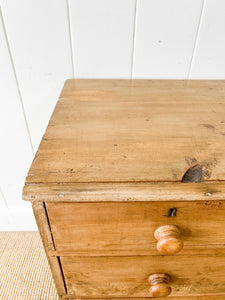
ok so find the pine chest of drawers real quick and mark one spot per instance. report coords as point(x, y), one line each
point(128, 190)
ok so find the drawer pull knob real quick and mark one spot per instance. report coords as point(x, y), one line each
point(159, 285)
point(168, 238)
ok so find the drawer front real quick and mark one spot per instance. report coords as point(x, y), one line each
point(128, 276)
point(128, 228)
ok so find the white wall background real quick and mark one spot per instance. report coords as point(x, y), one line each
point(45, 42)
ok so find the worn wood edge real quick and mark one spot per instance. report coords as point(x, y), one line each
point(98, 192)
point(109, 83)
point(206, 297)
point(47, 240)
point(209, 250)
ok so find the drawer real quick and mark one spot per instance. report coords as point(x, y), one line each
point(119, 228)
point(128, 276)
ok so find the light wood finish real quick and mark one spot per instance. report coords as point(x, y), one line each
point(132, 131)
point(126, 192)
point(127, 167)
point(168, 237)
point(128, 276)
point(216, 250)
point(160, 287)
point(119, 227)
point(43, 226)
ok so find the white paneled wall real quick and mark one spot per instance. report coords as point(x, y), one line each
point(2, 200)
point(15, 148)
point(209, 58)
point(38, 35)
point(165, 37)
point(44, 42)
point(102, 34)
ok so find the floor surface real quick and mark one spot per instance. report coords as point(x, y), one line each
point(24, 269)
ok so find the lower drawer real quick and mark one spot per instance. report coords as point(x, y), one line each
point(128, 276)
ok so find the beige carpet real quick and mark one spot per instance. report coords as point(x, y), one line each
point(24, 270)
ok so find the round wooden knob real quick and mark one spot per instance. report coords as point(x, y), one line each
point(159, 285)
point(169, 241)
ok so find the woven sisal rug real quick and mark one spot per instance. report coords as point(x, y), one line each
point(24, 270)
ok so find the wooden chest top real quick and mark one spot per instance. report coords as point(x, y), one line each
point(132, 131)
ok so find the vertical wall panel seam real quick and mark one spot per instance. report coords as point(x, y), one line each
point(134, 38)
point(196, 39)
point(16, 80)
point(3, 197)
point(70, 36)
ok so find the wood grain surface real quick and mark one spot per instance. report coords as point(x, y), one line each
point(108, 174)
point(128, 228)
point(47, 240)
point(128, 276)
point(132, 131)
point(127, 192)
